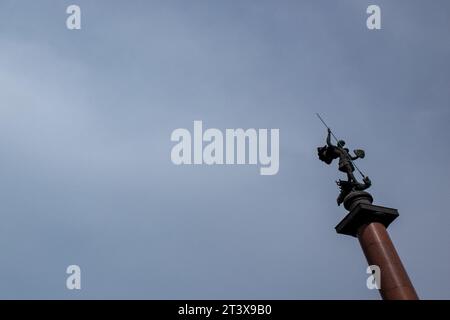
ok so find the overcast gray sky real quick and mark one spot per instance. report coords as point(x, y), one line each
point(85, 123)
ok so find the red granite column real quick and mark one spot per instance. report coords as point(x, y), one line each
point(368, 223)
point(379, 250)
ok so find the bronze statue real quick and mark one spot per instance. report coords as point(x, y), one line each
point(329, 152)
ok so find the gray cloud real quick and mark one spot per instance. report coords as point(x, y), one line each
point(85, 123)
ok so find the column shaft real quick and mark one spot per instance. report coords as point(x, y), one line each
point(379, 250)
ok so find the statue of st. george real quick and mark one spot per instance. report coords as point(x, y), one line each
point(329, 152)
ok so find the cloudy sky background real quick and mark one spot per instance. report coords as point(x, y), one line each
point(85, 124)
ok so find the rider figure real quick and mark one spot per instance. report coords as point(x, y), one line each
point(345, 159)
